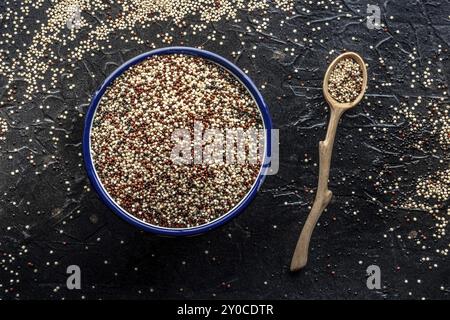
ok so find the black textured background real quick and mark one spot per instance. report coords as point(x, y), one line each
point(44, 227)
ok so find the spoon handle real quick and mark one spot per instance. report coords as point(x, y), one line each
point(323, 195)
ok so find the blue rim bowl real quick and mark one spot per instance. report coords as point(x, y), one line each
point(108, 200)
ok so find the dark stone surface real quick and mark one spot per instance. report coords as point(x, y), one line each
point(44, 227)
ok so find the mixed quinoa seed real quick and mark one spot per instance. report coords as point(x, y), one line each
point(131, 140)
point(345, 80)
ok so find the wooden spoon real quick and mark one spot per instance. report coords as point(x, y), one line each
point(323, 195)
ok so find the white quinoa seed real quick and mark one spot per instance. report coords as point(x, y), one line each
point(3, 129)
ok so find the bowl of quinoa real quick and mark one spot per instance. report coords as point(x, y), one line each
point(128, 141)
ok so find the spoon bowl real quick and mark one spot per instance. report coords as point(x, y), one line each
point(347, 105)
